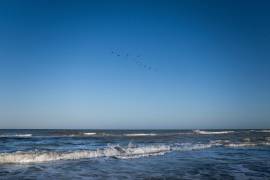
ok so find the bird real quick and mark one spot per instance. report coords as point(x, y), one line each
point(135, 59)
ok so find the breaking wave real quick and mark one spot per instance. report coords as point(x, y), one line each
point(116, 151)
point(15, 135)
point(211, 132)
point(264, 131)
point(129, 152)
point(242, 144)
point(247, 143)
point(89, 133)
point(111, 151)
point(140, 134)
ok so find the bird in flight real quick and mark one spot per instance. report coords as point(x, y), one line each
point(134, 58)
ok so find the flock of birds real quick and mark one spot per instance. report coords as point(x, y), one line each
point(136, 59)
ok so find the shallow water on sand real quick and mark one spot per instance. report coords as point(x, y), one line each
point(134, 154)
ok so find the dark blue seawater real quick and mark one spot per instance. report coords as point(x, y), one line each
point(134, 154)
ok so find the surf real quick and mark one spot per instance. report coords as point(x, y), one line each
point(211, 132)
point(16, 135)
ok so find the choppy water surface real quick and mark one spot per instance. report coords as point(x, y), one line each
point(135, 154)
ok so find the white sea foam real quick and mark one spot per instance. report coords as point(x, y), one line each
point(90, 133)
point(212, 132)
point(247, 143)
point(191, 147)
point(247, 139)
point(140, 134)
point(131, 151)
point(116, 151)
point(266, 143)
point(78, 134)
point(219, 142)
point(241, 144)
point(111, 151)
point(264, 131)
point(16, 135)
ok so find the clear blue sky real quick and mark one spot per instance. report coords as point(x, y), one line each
point(134, 64)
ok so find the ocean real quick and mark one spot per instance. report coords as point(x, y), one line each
point(135, 154)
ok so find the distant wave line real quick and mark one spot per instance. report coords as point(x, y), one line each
point(16, 135)
point(212, 132)
point(140, 134)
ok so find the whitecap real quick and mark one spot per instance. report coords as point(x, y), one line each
point(16, 135)
point(89, 133)
point(219, 142)
point(241, 144)
point(116, 151)
point(140, 134)
point(247, 139)
point(191, 147)
point(264, 131)
point(211, 132)
point(111, 151)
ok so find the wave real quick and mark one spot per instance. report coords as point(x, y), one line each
point(16, 135)
point(140, 134)
point(247, 139)
point(243, 144)
point(264, 131)
point(211, 132)
point(129, 152)
point(89, 133)
point(73, 134)
point(111, 151)
point(191, 147)
point(116, 151)
point(247, 143)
